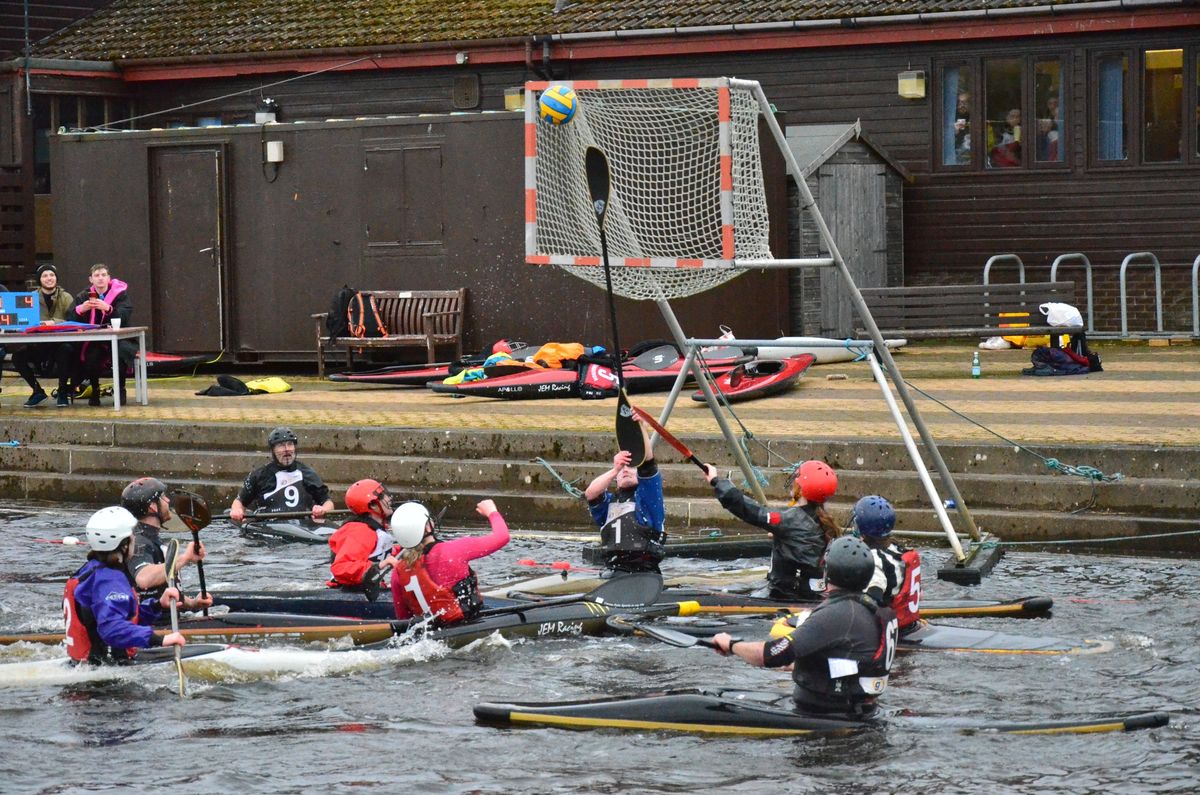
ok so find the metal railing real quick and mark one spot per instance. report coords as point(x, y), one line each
point(1087, 267)
point(1142, 258)
point(1005, 259)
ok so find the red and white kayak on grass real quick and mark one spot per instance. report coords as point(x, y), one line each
point(760, 378)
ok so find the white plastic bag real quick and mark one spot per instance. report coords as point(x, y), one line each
point(1061, 314)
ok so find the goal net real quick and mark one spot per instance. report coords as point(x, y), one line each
point(687, 203)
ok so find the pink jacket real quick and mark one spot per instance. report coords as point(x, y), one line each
point(449, 561)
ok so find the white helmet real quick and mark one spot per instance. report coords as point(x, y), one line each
point(108, 527)
point(408, 524)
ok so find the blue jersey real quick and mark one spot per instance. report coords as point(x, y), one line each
point(648, 508)
point(108, 599)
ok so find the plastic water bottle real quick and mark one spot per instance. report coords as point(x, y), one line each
point(975, 370)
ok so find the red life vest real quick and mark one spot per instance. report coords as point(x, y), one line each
point(81, 635)
point(907, 602)
point(424, 597)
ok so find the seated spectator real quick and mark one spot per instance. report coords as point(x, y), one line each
point(1007, 151)
point(46, 359)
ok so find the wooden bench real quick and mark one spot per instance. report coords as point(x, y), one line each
point(966, 310)
point(413, 318)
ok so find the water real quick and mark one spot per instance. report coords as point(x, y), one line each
point(405, 719)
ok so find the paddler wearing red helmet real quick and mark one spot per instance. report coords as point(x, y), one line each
point(364, 540)
point(799, 533)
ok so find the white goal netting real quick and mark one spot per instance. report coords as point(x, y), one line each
point(687, 201)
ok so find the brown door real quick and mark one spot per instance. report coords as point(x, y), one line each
point(187, 271)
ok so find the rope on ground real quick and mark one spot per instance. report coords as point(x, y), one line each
point(1083, 471)
point(1067, 541)
point(568, 486)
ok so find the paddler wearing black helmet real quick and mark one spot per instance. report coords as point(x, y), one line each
point(283, 484)
point(149, 501)
point(843, 651)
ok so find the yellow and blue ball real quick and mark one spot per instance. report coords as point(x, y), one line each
point(557, 104)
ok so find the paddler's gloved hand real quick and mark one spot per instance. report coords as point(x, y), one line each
point(197, 602)
point(169, 595)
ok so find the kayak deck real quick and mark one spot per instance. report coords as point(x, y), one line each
point(714, 711)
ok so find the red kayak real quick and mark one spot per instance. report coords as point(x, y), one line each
point(761, 378)
point(421, 374)
point(653, 371)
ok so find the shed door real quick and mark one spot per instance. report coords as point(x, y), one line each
point(187, 271)
point(851, 197)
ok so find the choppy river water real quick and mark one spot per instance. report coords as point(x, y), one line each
point(403, 721)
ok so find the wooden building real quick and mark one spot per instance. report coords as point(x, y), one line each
point(1036, 129)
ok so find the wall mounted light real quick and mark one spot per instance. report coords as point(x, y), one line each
point(461, 58)
point(911, 84)
point(274, 152)
point(514, 98)
point(266, 112)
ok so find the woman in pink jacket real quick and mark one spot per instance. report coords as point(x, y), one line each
point(432, 577)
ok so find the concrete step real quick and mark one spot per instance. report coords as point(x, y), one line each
point(517, 445)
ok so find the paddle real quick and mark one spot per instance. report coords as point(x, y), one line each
point(670, 439)
point(193, 510)
point(172, 554)
point(372, 581)
point(629, 435)
point(248, 517)
point(558, 565)
point(669, 636)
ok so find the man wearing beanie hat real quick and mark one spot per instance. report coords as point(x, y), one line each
point(29, 360)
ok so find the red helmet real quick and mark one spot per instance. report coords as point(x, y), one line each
point(815, 481)
point(360, 496)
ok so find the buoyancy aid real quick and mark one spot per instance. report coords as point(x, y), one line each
point(841, 679)
point(82, 637)
point(627, 544)
point(424, 597)
point(354, 534)
point(897, 582)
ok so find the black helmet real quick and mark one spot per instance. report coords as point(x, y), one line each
point(279, 436)
point(849, 564)
point(139, 495)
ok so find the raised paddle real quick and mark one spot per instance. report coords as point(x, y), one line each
point(670, 439)
point(599, 179)
point(193, 510)
point(172, 555)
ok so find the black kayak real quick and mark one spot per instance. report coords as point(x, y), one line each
point(713, 548)
point(734, 603)
point(925, 636)
point(717, 711)
point(306, 532)
point(338, 602)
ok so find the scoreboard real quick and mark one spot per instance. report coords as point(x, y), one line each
point(18, 311)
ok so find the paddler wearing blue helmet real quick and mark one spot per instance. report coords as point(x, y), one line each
point(896, 582)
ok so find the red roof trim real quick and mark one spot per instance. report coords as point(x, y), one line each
point(626, 46)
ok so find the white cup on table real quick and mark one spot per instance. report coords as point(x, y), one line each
point(115, 322)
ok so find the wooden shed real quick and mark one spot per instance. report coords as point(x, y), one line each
point(859, 189)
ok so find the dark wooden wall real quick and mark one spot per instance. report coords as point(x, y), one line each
point(295, 235)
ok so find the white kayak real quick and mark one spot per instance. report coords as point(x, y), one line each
point(823, 354)
point(209, 662)
point(573, 582)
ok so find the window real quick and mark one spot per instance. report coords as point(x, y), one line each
point(1144, 107)
point(52, 111)
point(1162, 106)
point(1003, 101)
point(957, 86)
point(984, 129)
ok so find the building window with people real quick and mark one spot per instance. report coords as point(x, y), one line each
point(1142, 102)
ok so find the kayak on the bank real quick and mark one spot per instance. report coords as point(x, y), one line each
point(925, 637)
point(718, 711)
point(653, 371)
point(162, 363)
point(824, 354)
point(420, 374)
point(760, 378)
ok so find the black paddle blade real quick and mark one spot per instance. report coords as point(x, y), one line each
point(171, 556)
point(599, 182)
point(372, 582)
point(629, 432)
point(628, 590)
point(192, 509)
point(626, 626)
